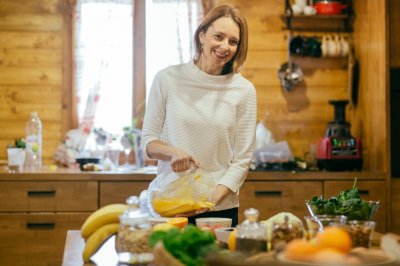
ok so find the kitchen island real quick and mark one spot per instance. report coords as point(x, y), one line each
point(37, 209)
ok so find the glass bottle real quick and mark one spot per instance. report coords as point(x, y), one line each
point(251, 236)
point(131, 242)
point(33, 149)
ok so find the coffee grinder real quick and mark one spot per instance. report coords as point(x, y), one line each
point(338, 150)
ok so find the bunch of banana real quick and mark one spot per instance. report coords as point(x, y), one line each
point(99, 226)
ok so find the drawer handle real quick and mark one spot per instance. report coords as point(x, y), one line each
point(272, 193)
point(363, 192)
point(41, 193)
point(40, 225)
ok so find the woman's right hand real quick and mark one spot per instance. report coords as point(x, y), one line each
point(181, 161)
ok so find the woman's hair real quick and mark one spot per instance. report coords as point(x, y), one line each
point(235, 64)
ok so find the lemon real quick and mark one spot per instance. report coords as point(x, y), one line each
point(232, 240)
point(163, 227)
point(35, 147)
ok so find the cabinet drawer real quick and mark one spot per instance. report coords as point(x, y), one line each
point(48, 196)
point(118, 192)
point(271, 198)
point(369, 190)
point(36, 239)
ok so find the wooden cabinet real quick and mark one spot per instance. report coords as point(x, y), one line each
point(369, 190)
point(273, 197)
point(36, 238)
point(35, 217)
point(118, 192)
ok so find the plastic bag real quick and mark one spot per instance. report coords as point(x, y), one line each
point(183, 193)
point(263, 136)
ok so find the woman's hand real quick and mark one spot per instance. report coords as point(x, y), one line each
point(181, 161)
point(220, 193)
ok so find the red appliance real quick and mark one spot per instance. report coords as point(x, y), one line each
point(338, 150)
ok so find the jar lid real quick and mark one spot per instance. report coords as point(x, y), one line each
point(133, 215)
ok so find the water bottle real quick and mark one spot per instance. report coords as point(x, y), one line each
point(33, 149)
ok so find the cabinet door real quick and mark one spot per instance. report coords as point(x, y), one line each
point(118, 192)
point(36, 239)
point(48, 196)
point(369, 190)
point(271, 198)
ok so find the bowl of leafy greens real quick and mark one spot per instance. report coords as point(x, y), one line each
point(347, 203)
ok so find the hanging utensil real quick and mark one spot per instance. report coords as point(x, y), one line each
point(290, 74)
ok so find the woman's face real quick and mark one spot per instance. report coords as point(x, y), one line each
point(220, 43)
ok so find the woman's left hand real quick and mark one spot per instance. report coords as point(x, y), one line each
point(220, 193)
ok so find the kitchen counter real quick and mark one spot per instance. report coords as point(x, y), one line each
point(148, 174)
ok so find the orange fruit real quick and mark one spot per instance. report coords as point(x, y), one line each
point(179, 222)
point(300, 249)
point(336, 238)
point(232, 240)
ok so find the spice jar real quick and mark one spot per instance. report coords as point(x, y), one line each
point(251, 237)
point(360, 232)
point(285, 232)
point(131, 242)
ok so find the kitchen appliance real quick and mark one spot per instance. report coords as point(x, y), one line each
point(338, 150)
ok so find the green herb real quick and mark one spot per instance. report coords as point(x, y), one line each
point(189, 246)
point(348, 203)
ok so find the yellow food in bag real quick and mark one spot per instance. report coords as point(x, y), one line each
point(172, 207)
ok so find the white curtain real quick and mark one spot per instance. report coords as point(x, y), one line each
point(170, 27)
point(103, 61)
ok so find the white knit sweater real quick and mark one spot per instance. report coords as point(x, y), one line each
point(212, 118)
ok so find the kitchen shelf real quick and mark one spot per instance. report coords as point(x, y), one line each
point(325, 23)
point(315, 23)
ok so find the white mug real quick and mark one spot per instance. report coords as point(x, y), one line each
point(345, 45)
point(309, 10)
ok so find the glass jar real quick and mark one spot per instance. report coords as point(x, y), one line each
point(284, 232)
point(251, 237)
point(131, 242)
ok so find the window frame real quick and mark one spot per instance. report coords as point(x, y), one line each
point(69, 113)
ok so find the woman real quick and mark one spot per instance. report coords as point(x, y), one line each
point(203, 112)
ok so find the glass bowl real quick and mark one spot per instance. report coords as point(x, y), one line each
point(366, 214)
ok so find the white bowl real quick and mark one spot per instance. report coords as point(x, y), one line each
point(222, 234)
point(213, 222)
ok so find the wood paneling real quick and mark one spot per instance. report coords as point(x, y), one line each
point(34, 38)
point(371, 51)
point(394, 34)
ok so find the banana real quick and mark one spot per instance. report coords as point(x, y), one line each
point(98, 238)
point(105, 215)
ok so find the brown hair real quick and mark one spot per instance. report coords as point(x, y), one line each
point(235, 64)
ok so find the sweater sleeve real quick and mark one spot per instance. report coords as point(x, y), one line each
point(154, 117)
point(245, 133)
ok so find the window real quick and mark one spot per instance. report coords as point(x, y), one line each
point(105, 54)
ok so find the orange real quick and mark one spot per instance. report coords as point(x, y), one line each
point(300, 250)
point(336, 238)
point(178, 221)
point(232, 240)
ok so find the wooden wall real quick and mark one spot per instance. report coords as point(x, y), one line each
point(33, 65)
point(35, 70)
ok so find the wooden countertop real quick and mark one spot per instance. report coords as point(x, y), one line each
point(148, 174)
point(75, 244)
